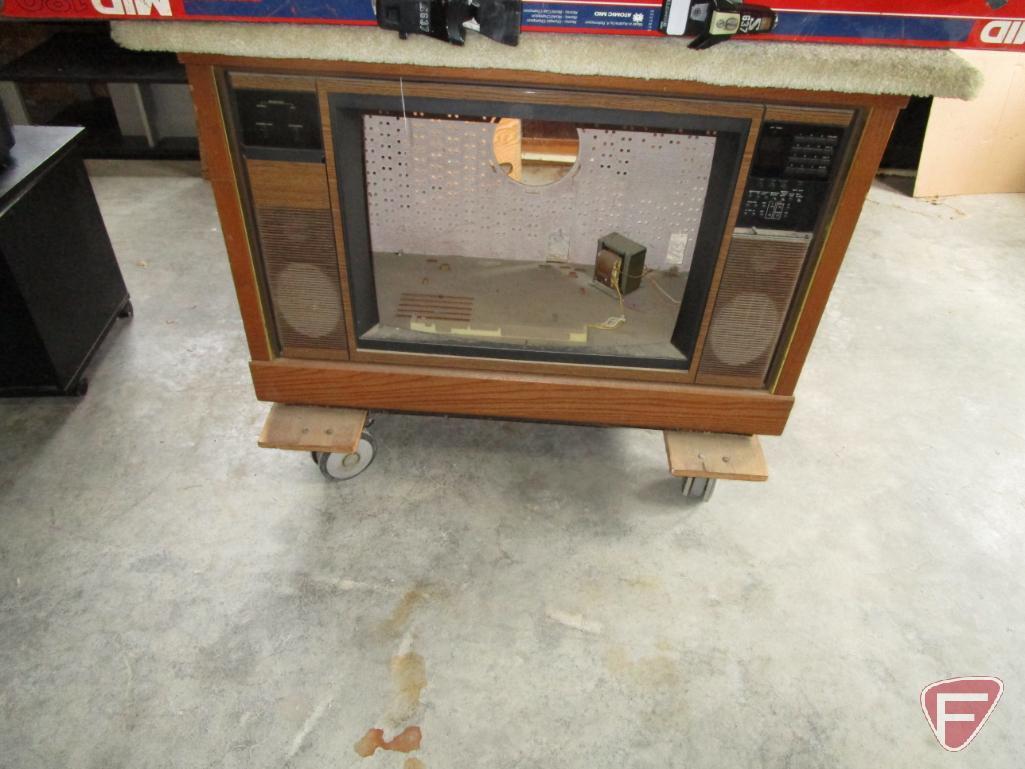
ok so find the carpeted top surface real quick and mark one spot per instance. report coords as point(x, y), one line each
point(849, 69)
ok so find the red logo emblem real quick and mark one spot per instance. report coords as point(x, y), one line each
point(957, 708)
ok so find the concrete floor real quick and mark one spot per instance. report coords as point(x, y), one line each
point(173, 596)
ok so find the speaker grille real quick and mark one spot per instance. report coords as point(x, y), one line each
point(299, 256)
point(755, 292)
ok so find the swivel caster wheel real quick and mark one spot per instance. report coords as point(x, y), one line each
point(342, 467)
point(127, 311)
point(699, 488)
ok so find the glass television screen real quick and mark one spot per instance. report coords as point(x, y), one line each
point(533, 238)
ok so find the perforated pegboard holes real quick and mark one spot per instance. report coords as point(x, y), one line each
point(434, 188)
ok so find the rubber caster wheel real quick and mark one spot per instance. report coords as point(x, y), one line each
point(342, 467)
point(127, 311)
point(82, 387)
point(699, 488)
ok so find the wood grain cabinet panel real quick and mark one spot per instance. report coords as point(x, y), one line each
point(285, 226)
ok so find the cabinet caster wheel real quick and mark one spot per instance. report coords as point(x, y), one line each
point(342, 467)
point(82, 387)
point(699, 488)
point(127, 311)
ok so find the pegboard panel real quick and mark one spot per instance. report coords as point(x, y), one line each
point(435, 188)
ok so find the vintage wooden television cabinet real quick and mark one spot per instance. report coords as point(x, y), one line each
point(426, 239)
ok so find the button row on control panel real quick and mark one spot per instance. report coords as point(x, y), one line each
point(817, 149)
point(762, 183)
point(754, 197)
point(819, 171)
point(800, 161)
point(769, 210)
point(825, 139)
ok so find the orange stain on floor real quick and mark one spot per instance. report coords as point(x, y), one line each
point(405, 742)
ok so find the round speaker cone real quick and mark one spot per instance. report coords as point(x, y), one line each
point(307, 300)
point(744, 328)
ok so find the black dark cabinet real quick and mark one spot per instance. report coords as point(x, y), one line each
point(61, 289)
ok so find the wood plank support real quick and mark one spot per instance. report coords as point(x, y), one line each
point(715, 455)
point(313, 428)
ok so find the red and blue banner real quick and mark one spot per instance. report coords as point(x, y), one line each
point(981, 24)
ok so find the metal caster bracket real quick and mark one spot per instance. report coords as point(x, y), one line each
point(699, 488)
point(341, 467)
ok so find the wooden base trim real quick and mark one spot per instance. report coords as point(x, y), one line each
point(311, 353)
point(512, 396)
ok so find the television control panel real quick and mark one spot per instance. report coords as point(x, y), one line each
point(790, 176)
point(282, 125)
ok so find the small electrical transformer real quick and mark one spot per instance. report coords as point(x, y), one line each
point(619, 261)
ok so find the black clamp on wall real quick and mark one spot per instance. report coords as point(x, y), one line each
point(722, 19)
point(448, 19)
